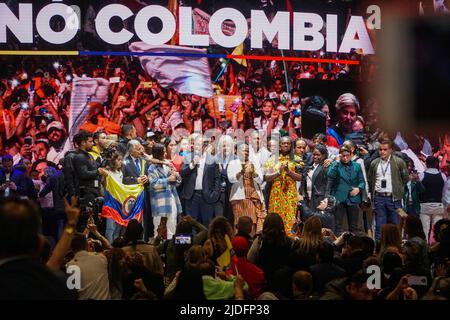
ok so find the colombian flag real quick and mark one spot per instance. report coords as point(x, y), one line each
point(123, 202)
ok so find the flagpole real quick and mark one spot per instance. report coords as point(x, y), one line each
point(285, 72)
point(222, 71)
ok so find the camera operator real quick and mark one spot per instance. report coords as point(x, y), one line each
point(86, 172)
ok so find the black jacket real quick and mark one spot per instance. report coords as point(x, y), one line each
point(28, 279)
point(70, 178)
point(86, 171)
point(318, 183)
point(211, 183)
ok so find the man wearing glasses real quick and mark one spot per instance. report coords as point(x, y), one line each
point(388, 176)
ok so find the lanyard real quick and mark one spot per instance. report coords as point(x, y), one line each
point(385, 169)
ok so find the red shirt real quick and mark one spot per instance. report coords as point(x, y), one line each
point(253, 275)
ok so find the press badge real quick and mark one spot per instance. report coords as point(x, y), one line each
point(96, 184)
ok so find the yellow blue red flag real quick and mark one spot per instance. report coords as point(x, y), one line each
point(123, 202)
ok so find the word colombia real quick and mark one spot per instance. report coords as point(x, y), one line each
point(306, 28)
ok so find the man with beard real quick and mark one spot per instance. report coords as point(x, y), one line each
point(57, 141)
point(347, 107)
point(86, 170)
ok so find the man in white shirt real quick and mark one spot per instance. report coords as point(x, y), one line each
point(202, 185)
point(93, 270)
point(388, 177)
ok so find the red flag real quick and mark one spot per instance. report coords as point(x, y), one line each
point(233, 84)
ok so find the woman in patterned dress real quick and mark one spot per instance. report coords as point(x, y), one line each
point(246, 197)
point(283, 170)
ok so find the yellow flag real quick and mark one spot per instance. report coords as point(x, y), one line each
point(238, 51)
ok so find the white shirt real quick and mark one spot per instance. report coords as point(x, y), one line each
point(384, 165)
point(7, 179)
point(94, 275)
point(117, 175)
point(201, 168)
point(309, 180)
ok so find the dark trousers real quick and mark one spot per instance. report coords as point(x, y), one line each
point(385, 213)
point(350, 214)
point(201, 211)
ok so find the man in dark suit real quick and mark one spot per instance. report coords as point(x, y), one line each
point(134, 170)
point(14, 182)
point(202, 187)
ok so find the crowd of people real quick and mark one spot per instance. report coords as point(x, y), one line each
point(287, 197)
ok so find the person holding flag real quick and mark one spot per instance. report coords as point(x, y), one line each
point(122, 202)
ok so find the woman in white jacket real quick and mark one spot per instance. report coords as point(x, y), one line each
point(246, 197)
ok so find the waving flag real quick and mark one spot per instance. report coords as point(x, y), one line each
point(84, 91)
point(178, 67)
point(123, 202)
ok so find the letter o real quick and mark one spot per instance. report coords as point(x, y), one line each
point(168, 25)
point(102, 24)
point(71, 20)
point(215, 27)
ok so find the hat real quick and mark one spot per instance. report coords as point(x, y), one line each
point(56, 125)
point(347, 99)
point(240, 246)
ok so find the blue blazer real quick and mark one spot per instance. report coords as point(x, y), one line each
point(340, 184)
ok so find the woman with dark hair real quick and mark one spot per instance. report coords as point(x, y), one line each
point(346, 183)
point(315, 179)
point(282, 170)
point(269, 119)
point(271, 250)
point(218, 245)
point(165, 202)
point(133, 238)
point(113, 169)
point(414, 232)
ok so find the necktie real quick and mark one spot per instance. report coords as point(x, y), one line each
point(138, 166)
